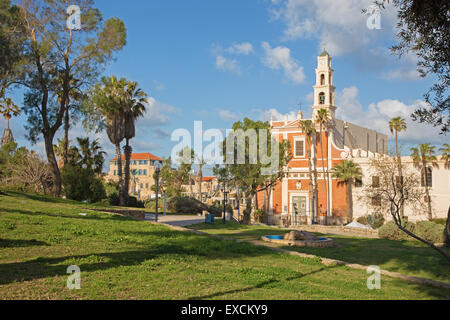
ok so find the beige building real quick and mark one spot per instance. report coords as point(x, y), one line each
point(142, 169)
point(438, 179)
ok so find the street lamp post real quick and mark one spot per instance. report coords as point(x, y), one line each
point(225, 194)
point(157, 171)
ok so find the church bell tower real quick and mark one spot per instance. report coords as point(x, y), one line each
point(324, 90)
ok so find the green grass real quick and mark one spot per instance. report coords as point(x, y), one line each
point(122, 258)
point(406, 257)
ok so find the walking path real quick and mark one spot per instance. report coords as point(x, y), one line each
point(176, 220)
point(324, 261)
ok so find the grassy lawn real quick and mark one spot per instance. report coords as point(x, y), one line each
point(122, 258)
point(407, 257)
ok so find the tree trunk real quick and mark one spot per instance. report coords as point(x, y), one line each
point(200, 177)
point(66, 135)
point(126, 185)
point(424, 241)
point(120, 174)
point(325, 180)
point(447, 230)
point(53, 164)
point(349, 202)
point(248, 210)
point(427, 191)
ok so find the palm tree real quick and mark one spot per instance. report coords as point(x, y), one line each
point(8, 109)
point(397, 125)
point(308, 128)
point(133, 100)
point(323, 118)
point(446, 155)
point(91, 154)
point(201, 164)
point(347, 173)
point(422, 157)
point(106, 98)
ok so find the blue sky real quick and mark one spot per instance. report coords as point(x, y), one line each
point(220, 61)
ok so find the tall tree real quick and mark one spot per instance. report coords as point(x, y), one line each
point(132, 101)
point(423, 156)
point(104, 109)
point(323, 118)
point(348, 172)
point(309, 129)
point(91, 155)
point(250, 174)
point(12, 41)
point(445, 155)
point(446, 158)
point(397, 125)
point(391, 197)
point(424, 29)
point(59, 53)
point(8, 110)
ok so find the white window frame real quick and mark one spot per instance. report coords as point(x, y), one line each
point(296, 139)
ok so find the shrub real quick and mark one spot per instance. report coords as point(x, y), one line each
point(430, 231)
point(76, 182)
point(97, 191)
point(114, 199)
point(80, 184)
point(260, 216)
point(133, 202)
point(392, 232)
point(363, 220)
point(187, 205)
point(376, 220)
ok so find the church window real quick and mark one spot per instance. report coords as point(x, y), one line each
point(322, 80)
point(322, 98)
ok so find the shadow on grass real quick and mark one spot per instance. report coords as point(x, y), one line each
point(6, 243)
point(259, 285)
point(65, 216)
point(407, 257)
point(170, 245)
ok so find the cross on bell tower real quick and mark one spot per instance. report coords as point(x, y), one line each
point(324, 90)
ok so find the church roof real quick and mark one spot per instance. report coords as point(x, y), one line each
point(324, 53)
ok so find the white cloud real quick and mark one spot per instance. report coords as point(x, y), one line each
point(378, 115)
point(227, 115)
point(157, 114)
point(225, 64)
point(401, 74)
point(340, 24)
point(279, 58)
point(244, 48)
point(268, 114)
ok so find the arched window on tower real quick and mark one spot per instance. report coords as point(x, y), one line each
point(322, 98)
point(322, 80)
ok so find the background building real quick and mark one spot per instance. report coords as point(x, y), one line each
point(142, 169)
point(339, 141)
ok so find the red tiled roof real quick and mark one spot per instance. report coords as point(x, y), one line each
point(141, 156)
point(207, 179)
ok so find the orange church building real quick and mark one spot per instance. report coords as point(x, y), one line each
point(291, 198)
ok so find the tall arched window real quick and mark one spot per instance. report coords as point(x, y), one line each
point(322, 98)
point(427, 177)
point(322, 80)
